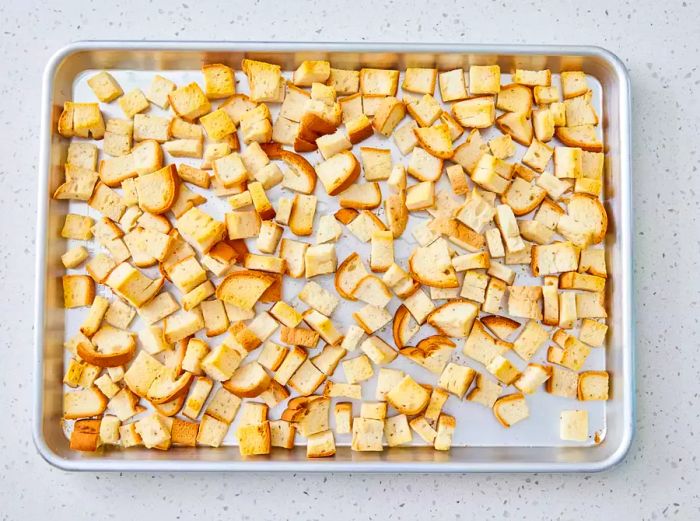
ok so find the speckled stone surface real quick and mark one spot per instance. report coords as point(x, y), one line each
point(659, 43)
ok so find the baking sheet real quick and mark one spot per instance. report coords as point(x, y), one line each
point(476, 426)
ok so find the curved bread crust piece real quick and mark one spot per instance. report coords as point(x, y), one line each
point(243, 288)
point(583, 137)
point(87, 352)
point(248, 381)
point(431, 265)
point(168, 386)
point(511, 409)
point(589, 210)
point(365, 196)
point(501, 326)
point(302, 176)
point(348, 275)
point(396, 214)
point(433, 353)
point(436, 140)
point(403, 327)
point(338, 172)
point(157, 191)
point(522, 196)
point(517, 125)
point(455, 318)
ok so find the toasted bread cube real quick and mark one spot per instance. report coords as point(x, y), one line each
point(405, 137)
point(408, 396)
point(153, 431)
point(282, 434)
point(456, 379)
point(78, 291)
point(189, 102)
point(343, 417)
point(573, 425)
point(74, 257)
point(230, 170)
point(77, 227)
point(425, 110)
point(502, 147)
point(223, 406)
point(379, 82)
point(301, 218)
point(453, 85)
point(419, 80)
point(318, 298)
point(485, 392)
point(109, 430)
point(358, 369)
point(199, 392)
point(396, 430)
point(269, 237)
point(532, 337)
point(211, 432)
point(372, 318)
point(524, 302)
point(306, 379)
point(378, 351)
point(264, 80)
point(344, 81)
point(221, 362)
point(147, 126)
point(352, 338)
point(158, 91)
point(567, 162)
point(105, 87)
point(591, 305)
point(184, 433)
point(338, 390)
point(486, 176)
point(421, 426)
point(73, 373)
point(484, 79)
point(573, 83)
point(242, 224)
point(511, 409)
point(458, 179)
point(475, 113)
point(320, 445)
point(376, 163)
point(532, 78)
point(367, 434)
point(531, 378)
point(593, 385)
point(292, 361)
point(397, 178)
point(310, 72)
point(503, 369)
point(562, 382)
point(254, 158)
point(124, 404)
point(128, 437)
point(219, 81)
point(474, 286)
point(593, 332)
point(87, 120)
point(445, 428)
point(420, 196)
point(320, 259)
point(82, 155)
point(218, 124)
point(419, 305)
point(133, 102)
point(85, 435)
point(140, 375)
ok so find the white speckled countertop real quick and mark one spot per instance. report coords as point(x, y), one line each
point(659, 43)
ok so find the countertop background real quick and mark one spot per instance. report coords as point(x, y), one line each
point(657, 41)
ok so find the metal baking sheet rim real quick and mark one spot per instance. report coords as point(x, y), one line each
point(379, 465)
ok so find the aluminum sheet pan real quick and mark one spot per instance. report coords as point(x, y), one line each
point(480, 443)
